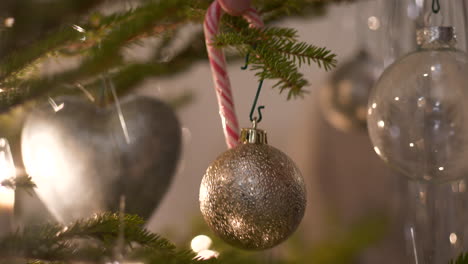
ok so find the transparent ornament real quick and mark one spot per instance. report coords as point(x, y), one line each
point(417, 116)
point(435, 221)
point(432, 199)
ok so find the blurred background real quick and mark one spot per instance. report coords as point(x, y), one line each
point(358, 210)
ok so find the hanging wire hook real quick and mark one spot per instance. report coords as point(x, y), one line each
point(256, 120)
point(259, 109)
point(247, 57)
point(435, 6)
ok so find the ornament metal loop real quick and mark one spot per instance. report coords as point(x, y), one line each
point(254, 123)
point(429, 37)
point(253, 135)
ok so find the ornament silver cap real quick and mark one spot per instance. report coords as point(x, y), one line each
point(436, 37)
point(253, 136)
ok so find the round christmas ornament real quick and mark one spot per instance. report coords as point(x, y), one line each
point(344, 99)
point(253, 196)
point(83, 158)
point(417, 112)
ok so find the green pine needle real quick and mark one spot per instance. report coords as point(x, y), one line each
point(276, 54)
point(20, 62)
point(462, 259)
point(91, 240)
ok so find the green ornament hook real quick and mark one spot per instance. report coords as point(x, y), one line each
point(259, 109)
point(260, 84)
point(247, 57)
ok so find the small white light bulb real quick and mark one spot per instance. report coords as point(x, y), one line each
point(200, 243)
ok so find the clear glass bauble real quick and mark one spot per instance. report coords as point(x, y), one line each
point(418, 111)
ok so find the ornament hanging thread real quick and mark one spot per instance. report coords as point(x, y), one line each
point(253, 196)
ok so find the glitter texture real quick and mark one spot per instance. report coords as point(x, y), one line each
point(253, 196)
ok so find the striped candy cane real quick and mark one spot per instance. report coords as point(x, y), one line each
point(218, 62)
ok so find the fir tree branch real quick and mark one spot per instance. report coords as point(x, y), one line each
point(34, 18)
point(130, 75)
point(279, 40)
point(102, 57)
point(125, 77)
point(275, 54)
point(102, 40)
point(107, 35)
point(274, 66)
point(301, 52)
point(68, 41)
point(20, 63)
point(91, 240)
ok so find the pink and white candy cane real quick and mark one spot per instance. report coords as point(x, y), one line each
point(218, 62)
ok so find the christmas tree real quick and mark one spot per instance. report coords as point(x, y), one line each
point(93, 37)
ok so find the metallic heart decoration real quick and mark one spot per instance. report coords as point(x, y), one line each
point(81, 160)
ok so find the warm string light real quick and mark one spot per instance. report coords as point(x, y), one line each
point(201, 245)
point(9, 22)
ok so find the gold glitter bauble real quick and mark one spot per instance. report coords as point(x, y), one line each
point(253, 196)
